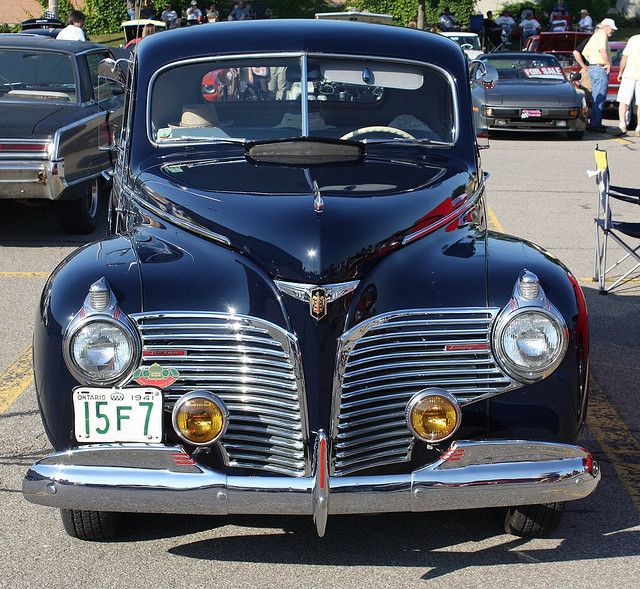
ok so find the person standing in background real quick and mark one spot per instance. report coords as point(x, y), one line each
point(597, 53)
point(629, 78)
point(73, 31)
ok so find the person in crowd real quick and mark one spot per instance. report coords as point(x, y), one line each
point(560, 7)
point(629, 78)
point(529, 26)
point(212, 14)
point(170, 17)
point(131, 9)
point(194, 14)
point(597, 54)
point(240, 12)
point(447, 22)
point(586, 22)
point(557, 22)
point(148, 11)
point(507, 22)
point(492, 30)
point(73, 31)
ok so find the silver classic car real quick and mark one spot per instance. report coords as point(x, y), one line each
point(52, 110)
point(532, 94)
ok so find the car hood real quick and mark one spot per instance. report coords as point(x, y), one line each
point(322, 224)
point(540, 93)
point(31, 121)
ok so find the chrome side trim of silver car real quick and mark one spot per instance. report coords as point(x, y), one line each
point(164, 479)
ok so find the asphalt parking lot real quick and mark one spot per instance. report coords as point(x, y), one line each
point(539, 190)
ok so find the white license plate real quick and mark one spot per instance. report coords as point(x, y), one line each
point(118, 415)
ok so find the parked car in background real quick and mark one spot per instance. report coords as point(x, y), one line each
point(42, 26)
point(532, 94)
point(469, 42)
point(560, 44)
point(51, 114)
point(300, 309)
point(133, 30)
point(616, 48)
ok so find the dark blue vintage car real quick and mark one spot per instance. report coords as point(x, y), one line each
point(51, 111)
point(301, 309)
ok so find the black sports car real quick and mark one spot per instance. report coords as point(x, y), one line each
point(532, 94)
point(301, 310)
point(52, 110)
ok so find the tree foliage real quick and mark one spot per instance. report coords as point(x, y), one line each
point(404, 11)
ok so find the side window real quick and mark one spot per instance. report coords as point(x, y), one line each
point(100, 91)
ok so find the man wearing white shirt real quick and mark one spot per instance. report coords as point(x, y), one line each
point(73, 31)
point(586, 22)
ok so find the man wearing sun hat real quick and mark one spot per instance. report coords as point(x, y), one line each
point(586, 22)
point(597, 54)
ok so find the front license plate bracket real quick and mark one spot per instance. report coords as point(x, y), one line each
point(118, 414)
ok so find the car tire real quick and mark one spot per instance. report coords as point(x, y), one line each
point(532, 521)
point(90, 525)
point(575, 135)
point(81, 215)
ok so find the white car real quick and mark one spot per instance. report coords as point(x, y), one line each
point(469, 43)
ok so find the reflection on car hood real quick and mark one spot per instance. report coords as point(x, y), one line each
point(316, 224)
point(538, 92)
point(27, 121)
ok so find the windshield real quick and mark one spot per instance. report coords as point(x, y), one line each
point(261, 99)
point(472, 41)
point(534, 67)
point(28, 75)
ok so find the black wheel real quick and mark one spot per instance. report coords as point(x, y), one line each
point(90, 525)
point(532, 521)
point(81, 215)
point(575, 135)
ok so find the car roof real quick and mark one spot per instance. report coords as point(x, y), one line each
point(44, 42)
point(293, 35)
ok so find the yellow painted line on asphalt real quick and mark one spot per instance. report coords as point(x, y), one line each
point(24, 274)
point(616, 440)
point(618, 443)
point(15, 379)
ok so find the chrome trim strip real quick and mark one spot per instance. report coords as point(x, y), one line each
point(164, 479)
point(470, 202)
point(177, 221)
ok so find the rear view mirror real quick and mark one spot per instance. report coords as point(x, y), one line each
point(114, 72)
point(483, 74)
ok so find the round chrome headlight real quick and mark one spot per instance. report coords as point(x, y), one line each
point(101, 351)
point(530, 342)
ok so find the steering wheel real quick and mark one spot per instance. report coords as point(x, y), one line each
point(7, 80)
point(377, 129)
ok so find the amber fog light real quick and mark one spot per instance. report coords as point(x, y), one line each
point(200, 418)
point(433, 415)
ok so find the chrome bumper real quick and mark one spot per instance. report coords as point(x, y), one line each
point(164, 479)
point(31, 179)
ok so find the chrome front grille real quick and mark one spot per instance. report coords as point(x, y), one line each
point(253, 366)
point(383, 362)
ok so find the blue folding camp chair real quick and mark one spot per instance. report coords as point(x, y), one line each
point(619, 231)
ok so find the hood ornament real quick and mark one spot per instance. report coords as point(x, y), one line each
point(318, 201)
point(317, 296)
